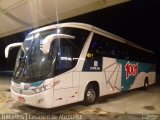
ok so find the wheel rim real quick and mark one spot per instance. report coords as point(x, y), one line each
point(91, 95)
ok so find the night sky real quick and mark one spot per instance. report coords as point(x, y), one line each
point(138, 21)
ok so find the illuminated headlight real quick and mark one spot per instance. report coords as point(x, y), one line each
point(42, 88)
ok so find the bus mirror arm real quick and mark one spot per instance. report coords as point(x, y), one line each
point(10, 46)
point(48, 40)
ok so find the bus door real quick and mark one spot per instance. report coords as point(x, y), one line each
point(64, 89)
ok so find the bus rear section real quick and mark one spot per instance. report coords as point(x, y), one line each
point(118, 66)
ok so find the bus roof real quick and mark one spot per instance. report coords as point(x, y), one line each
point(90, 28)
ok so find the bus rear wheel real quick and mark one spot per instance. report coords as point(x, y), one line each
point(90, 95)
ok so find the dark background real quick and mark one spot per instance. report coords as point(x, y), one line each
point(137, 21)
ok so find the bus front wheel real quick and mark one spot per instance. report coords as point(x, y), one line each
point(90, 95)
point(146, 83)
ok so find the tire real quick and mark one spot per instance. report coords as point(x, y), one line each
point(90, 95)
point(146, 84)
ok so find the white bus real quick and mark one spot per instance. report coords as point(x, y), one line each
point(70, 62)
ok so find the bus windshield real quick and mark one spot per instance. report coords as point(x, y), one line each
point(33, 65)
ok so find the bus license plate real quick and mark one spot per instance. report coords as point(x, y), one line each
point(21, 99)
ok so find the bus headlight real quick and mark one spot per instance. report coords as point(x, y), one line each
point(42, 88)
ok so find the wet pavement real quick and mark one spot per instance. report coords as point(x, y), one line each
point(133, 105)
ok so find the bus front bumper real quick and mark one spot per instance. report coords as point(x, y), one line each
point(42, 100)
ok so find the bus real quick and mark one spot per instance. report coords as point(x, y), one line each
point(70, 62)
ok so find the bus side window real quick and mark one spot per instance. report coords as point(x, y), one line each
point(104, 47)
point(114, 49)
point(98, 47)
point(64, 58)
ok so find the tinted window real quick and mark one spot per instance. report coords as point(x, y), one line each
point(105, 47)
point(68, 50)
point(98, 47)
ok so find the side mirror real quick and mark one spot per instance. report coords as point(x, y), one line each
point(48, 40)
point(11, 46)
